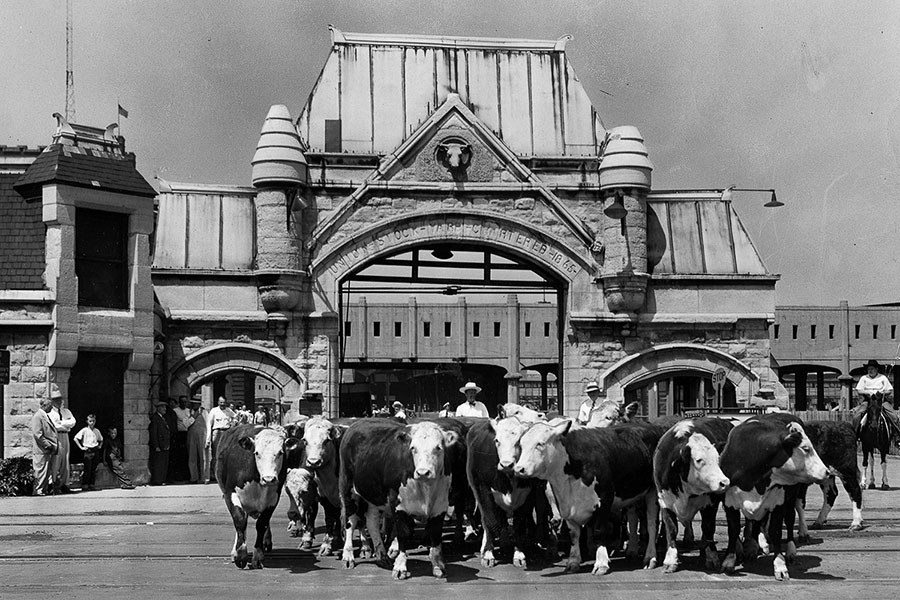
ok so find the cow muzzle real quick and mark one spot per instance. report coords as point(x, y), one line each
point(423, 474)
point(268, 480)
point(314, 463)
point(506, 467)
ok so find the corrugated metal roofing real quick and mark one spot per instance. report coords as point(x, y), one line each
point(84, 167)
point(382, 87)
point(698, 235)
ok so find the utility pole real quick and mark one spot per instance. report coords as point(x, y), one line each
point(70, 77)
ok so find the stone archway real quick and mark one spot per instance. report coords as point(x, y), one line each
point(670, 358)
point(220, 358)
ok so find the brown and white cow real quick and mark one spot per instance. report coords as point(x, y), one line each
point(388, 467)
point(251, 467)
point(593, 472)
point(689, 480)
point(766, 459)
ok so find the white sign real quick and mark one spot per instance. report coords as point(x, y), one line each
point(718, 378)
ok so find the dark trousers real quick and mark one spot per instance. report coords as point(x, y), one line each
point(91, 461)
point(118, 468)
point(213, 446)
point(178, 470)
point(159, 466)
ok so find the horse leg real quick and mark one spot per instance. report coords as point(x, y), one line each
point(884, 481)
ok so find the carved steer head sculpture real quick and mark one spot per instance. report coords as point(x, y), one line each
point(454, 154)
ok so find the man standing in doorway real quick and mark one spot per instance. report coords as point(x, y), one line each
point(64, 421)
point(179, 447)
point(587, 407)
point(44, 446)
point(471, 407)
point(220, 419)
point(160, 440)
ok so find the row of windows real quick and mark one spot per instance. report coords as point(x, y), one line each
point(448, 329)
point(857, 331)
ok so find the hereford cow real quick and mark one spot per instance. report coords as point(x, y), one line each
point(321, 443)
point(688, 479)
point(401, 469)
point(593, 472)
point(251, 466)
point(493, 451)
point(766, 459)
point(835, 442)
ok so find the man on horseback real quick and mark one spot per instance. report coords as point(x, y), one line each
point(873, 382)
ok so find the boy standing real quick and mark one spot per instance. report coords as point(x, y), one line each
point(89, 440)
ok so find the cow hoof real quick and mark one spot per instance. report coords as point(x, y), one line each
point(856, 527)
point(488, 563)
point(572, 566)
point(871, 486)
point(885, 487)
point(438, 572)
point(400, 575)
point(729, 564)
point(817, 525)
point(790, 555)
point(670, 568)
point(803, 538)
point(650, 564)
point(712, 562)
point(599, 570)
point(780, 567)
point(325, 550)
point(519, 559)
point(306, 544)
point(348, 559)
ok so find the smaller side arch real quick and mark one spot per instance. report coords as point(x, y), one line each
point(666, 358)
point(236, 356)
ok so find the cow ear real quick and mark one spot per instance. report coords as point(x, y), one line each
point(792, 440)
point(542, 416)
point(294, 431)
point(403, 435)
point(563, 427)
point(685, 456)
point(336, 432)
point(450, 438)
point(246, 442)
point(630, 410)
point(501, 411)
point(292, 444)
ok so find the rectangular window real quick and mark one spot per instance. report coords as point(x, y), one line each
point(496, 328)
point(376, 328)
point(777, 327)
point(856, 329)
point(448, 328)
point(101, 258)
point(794, 332)
point(398, 329)
point(546, 329)
point(347, 328)
point(333, 136)
point(426, 329)
point(893, 332)
point(812, 332)
point(874, 332)
point(476, 329)
point(527, 329)
point(831, 332)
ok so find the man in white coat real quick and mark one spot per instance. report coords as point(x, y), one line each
point(64, 421)
point(471, 407)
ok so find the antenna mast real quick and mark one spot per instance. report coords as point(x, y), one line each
point(70, 77)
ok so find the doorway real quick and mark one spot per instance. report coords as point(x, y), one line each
point(97, 386)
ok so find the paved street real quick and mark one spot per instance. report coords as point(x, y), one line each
point(174, 541)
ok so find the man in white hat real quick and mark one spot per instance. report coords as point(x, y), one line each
point(64, 421)
point(399, 411)
point(471, 407)
point(592, 390)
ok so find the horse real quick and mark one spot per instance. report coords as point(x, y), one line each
point(874, 434)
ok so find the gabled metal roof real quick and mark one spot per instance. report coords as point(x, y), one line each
point(690, 233)
point(381, 87)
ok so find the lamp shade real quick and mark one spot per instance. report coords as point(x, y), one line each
point(615, 209)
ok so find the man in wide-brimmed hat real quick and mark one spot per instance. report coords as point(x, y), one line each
point(592, 390)
point(471, 407)
point(399, 411)
point(873, 382)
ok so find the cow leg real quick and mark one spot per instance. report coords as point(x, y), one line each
point(708, 536)
point(573, 562)
point(752, 540)
point(606, 531)
point(851, 484)
point(332, 527)
point(309, 500)
point(687, 541)
point(403, 529)
point(373, 526)
point(789, 514)
point(522, 520)
point(776, 520)
point(239, 552)
point(652, 504)
point(263, 538)
point(352, 522)
point(632, 547)
point(434, 532)
point(829, 495)
point(733, 518)
point(670, 523)
point(884, 481)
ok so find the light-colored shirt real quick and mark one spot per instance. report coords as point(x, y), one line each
point(184, 418)
point(219, 419)
point(89, 438)
point(476, 409)
point(872, 385)
point(63, 419)
point(587, 407)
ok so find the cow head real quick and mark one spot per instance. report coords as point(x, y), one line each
point(541, 449)
point(454, 154)
point(427, 443)
point(803, 464)
point(507, 434)
point(699, 461)
point(268, 447)
point(524, 414)
point(610, 412)
point(320, 438)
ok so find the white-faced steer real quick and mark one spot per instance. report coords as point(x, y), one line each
point(594, 472)
point(493, 451)
point(388, 467)
point(766, 459)
point(251, 466)
point(688, 479)
point(321, 458)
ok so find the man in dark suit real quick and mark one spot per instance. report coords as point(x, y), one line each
point(160, 440)
point(45, 443)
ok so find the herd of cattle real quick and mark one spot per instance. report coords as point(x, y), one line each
point(380, 477)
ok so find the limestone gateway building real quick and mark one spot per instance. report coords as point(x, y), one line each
point(439, 210)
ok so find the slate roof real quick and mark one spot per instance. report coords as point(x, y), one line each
point(84, 167)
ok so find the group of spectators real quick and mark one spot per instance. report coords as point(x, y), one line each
point(472, 407)
point(50, 428)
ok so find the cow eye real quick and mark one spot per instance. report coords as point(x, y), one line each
point(497, 443)
point(540, 445)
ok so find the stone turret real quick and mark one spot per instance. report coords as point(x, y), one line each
point(280, 173)
point(624, 182)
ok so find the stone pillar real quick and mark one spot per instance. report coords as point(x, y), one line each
point(412, 322)
point(462, 317)
point(513, 348)
point(845, 378)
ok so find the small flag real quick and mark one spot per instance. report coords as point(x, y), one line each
point(123, 112)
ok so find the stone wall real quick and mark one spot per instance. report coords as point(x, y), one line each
point(28, 383)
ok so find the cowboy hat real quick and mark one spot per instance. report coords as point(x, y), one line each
point(593, 386)
point(873, 363)
point(397, 404)
point(469, 386)
point(56, 395)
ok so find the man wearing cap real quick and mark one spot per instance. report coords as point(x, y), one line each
point(64, 421)
point(221, 418)
point(873, 382)
point(587, 407)
point(160, 440)
point(471, 407)
point(44, 446)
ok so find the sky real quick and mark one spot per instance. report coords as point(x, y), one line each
point(800, 96)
